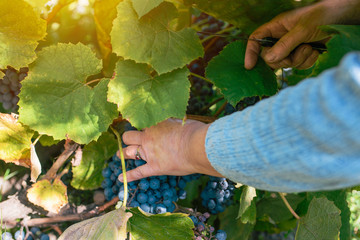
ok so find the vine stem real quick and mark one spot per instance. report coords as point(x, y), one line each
point(288, 206)
point(218, 32)
point(201, 77)
point(211, 104)
point(122, 165)
point(220, 110)
point(92, 81)
point(37, 139)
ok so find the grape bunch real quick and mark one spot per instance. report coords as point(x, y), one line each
point(204, 231)
point(155, 194)
point(201, 91)
point(246, 102)
point(10, 87)
point(34, 234)
point(217, 194)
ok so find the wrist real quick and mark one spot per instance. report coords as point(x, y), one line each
point(197, 152)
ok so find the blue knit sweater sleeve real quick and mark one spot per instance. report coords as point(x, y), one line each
point(306, 138)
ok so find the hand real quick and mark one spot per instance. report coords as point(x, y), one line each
point(293, 28)
point(169, 148)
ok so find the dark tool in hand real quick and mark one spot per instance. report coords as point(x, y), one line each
point(269, 41)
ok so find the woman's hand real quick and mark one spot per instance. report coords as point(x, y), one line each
point(294, 29)
point(169, 148)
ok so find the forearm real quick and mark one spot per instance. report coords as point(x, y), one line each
point(306, 138)
point(342, 11)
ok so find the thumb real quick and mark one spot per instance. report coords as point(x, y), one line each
point(286, 45)
point(140, 172)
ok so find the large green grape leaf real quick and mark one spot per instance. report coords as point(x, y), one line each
point(339, 199)
point(142, 7)
point(322, 221)
point(111, 226)
point(145, 98)
point(88, 174)
point(151, 40)
point(228, 73)
point(104, 15)
point(275, 208)
point(247, 209)
point(174, 226)
point(55, 99)
point(100, 107)
point(246, 14)
point(20, 30)
point(346, 38)
point(234, 228)
point(15, 140)
point(51, 196)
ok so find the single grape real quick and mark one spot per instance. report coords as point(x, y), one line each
point(44, 237)
point(19, 235)
point(220, 235)
point(142, 198)
point(160, 208)
point(154, 183)
point(6, 236)
point(144, 184)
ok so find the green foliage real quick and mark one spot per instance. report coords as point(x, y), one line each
point(344, 40)
point(55, 99)
point(111, 226)
point(247, 210)
point(322, 221)
point(234, 228)
point(148, 226)
point(154, 42)
point(19, 36)
point(246, 14)
point(339, 198)
point(87, 175)
point(228, 73)
point(142, 7)
point(145, 98)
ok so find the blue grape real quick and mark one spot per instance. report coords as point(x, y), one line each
point(145, 207)
point(182, 184)
point(6, 236)
point(160, 208)
point(134, 203)
point(19, 235)
point(106, 172)
point(154, 183)
point(167, 194)
point(144, 184)
point(106, 183)
point(44, 237)
point(182, 194)
point(142, 198)
point(139, 163)
point(211, 204)
point(220, 235)
point(36, 231)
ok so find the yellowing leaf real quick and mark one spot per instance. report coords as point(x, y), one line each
point(111, 226)
point(104, 15)
point(55, 99)
point(15, 140)
point(35, 164)
point(142, 7)
point(51, 197)
point(151, 40)
point(20, 30)
point(38, 4)
point(146, 99)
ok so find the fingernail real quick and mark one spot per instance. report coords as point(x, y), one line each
point(270, 57)
point(121, 179)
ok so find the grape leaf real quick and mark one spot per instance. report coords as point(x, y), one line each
point(246, 201)
point(88, 174)
point(346, 38)
point(228, 73)
point(275, 208)
point(55, 100)
point(104, 15)
point(142, 7)
point(47, 141)
point(19, 36)
point(174, 226)
point(246, 14)
point(322, 221)
point(111, 226)
point(37, 4)
point(145, 98)
point(249, 216)
point(150, 40)
point(15, 140)
point(100, 107)
point(339, 199)
point(235, 229)
point(50, 196)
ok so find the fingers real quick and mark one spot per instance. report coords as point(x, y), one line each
point(130, 152)
point(253, 48)
point(302, 57)
point(138, 173)
point(286, 45)
point(132, 137)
